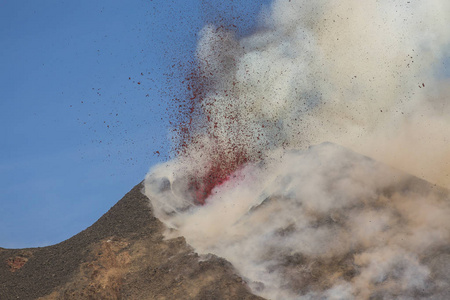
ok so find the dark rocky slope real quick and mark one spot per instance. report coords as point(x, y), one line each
point(122, 256)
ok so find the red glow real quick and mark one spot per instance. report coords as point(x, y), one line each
point(218, 173)
point(229, 142)
point(194, 119)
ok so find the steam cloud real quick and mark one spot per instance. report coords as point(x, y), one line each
point(322, 222)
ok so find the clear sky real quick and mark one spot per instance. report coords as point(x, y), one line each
point(84, 91)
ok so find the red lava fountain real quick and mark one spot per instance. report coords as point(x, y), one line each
point(195, 121)
point(217, 174)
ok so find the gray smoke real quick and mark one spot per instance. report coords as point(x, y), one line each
point(325, 222)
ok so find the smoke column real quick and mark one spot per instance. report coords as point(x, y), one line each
point(318, 222)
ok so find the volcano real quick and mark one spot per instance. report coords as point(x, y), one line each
point(130, 254)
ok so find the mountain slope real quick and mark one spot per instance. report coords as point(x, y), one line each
point(122, 256)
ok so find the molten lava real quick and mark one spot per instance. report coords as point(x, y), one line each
point(194, 123)
point(218, 173)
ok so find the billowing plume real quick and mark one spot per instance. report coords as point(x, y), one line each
point(323, 222)
point(364, 74)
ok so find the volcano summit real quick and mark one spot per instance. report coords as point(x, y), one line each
point(323, 223)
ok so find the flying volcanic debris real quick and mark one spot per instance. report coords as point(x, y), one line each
point(321, 222)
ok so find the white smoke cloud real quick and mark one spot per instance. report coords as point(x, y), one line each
point(324, 222)
point(319, 223)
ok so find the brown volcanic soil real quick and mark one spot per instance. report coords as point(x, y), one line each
point(122, 256)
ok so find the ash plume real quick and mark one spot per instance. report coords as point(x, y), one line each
point(324, 223)
point(319, 222)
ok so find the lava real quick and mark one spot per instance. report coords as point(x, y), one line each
point(194, 121)
point(218, 173)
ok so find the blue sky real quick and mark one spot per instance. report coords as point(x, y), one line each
point(84, 91)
